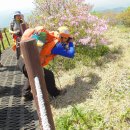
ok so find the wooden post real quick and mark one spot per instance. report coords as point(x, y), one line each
point(37, 82)
point(2, 44)
point(0, 52)
point(6, 37)
point(1, 39)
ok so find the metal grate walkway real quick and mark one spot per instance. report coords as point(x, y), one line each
point(15, 113)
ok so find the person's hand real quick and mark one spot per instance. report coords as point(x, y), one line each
point(17, 31)
point(70, 39)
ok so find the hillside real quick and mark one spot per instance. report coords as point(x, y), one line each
point(103, 88)
point(117, 10)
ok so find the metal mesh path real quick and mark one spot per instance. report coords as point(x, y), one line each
point(15, 113)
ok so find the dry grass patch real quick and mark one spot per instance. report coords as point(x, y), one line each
point(105, 89)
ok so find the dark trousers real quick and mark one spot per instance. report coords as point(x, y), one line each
point(49, 79)
point(18, 46)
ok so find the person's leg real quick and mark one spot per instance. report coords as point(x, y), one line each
point(50, 83)
point(26, 91)
point(49, 79)
point(18, 47)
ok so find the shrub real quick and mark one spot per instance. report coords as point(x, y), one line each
point(84, 54)
point(112, 17)
point(94, 52)
point(124, 17)
point(86, 28)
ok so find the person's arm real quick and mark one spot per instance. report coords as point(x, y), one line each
point(11, 28)
point(14, 32)
point(59, 49)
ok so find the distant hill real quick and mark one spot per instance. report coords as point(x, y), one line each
point(116, 10)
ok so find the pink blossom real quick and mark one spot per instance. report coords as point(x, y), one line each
point(74, 14)
point(104, 41)
point(77, 33)
point(88, 31)
point(73, 22)
point(63, 18)
point(85, 41)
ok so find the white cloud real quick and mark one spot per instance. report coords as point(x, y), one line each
point(7, 5)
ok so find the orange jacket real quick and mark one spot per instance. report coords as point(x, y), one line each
point(51, 40)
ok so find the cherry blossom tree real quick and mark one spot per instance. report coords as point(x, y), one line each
point(86, 28)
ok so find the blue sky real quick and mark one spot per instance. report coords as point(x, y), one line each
point(7, 7)
point(13, 5)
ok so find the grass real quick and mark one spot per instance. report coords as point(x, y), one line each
point(101, 94)
point(123, 29)
point(79, 120)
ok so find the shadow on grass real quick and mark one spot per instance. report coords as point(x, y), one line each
point(77, 92)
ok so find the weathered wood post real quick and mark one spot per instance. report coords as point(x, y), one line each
point(6, 36)
point(0, 45)
point(1, 39)
point(37, 82)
